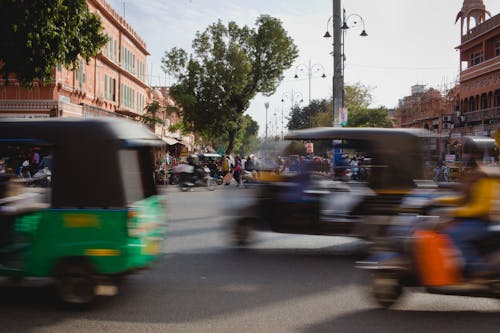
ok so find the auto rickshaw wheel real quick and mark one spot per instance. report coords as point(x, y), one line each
point(386, 289)
point(242, 232)
point(75, 285)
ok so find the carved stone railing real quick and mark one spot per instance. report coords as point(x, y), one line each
point(16, 105)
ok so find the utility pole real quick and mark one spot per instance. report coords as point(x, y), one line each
point(266, 105)
point(338, 79)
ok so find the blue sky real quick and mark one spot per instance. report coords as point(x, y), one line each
point(409, 42)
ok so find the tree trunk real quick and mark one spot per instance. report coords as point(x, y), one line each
point(230, 145)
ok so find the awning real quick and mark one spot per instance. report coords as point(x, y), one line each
point(170, 141)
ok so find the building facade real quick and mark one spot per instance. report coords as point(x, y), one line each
point(112, 84)
point(477, 107)
point(472, 106)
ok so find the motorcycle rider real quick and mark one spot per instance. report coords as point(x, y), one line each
point(198, 170)
point(473, 211)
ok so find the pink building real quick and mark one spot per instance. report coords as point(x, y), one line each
point(112, 84)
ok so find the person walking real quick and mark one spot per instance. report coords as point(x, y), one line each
point(237, 170)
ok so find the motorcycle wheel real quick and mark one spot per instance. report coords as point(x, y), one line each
point(220, 180)
point(386, 289)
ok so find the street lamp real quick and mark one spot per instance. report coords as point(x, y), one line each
point(266, 105)
point(338, 31)
point(292, 96)
point(311, 69)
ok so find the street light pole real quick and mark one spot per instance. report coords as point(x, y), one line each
point(266, 105)
point(292, 97)
point(338, 53)
point(311, 69)
point(338, 79)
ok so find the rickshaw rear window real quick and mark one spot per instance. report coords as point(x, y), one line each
point(133, 175)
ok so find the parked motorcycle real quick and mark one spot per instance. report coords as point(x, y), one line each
point(417, 254)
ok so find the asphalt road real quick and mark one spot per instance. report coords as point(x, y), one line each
point(283, 283)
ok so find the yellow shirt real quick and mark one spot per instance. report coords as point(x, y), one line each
point(480, 203)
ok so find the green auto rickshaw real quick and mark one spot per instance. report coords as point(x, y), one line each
point(78, 203)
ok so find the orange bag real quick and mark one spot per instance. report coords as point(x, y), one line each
point(228, 177)
point(437, 261)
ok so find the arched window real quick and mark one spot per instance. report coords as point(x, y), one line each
point(465, 105)
point(490, 100)
point(472, 104)
point(497, 98)
point(484, 101)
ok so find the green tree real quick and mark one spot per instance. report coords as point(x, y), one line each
point(246, 140)
point(228, 67)
point(369, 118)
point(357, 96)
point(303, 117)
point(37, 35)
point(152, 114)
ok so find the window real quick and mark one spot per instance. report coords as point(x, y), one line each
point(476, 58)
point(105, 86)
point(497, 98)
point(80, 73)
point(484, 101)
point(114, 50)
point(497, 48)
point(113, 90)
point(26, 168)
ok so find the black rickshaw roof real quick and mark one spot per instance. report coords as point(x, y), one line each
point(79, 131)
point(365, 133)
point(88, 170)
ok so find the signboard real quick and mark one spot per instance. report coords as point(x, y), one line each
point(184, 152)
point(343, 116)
point(450, 157)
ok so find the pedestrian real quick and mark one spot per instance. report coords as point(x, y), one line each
point(446, 172)
point(237, 170)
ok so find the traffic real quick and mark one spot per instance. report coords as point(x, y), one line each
point(86, 233)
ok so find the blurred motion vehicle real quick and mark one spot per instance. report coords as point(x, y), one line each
point(421, 249)
point(99, 218)
point(307, 199)
point(213, 162)
point(194, 174)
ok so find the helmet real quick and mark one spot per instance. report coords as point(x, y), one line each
point(193, 159)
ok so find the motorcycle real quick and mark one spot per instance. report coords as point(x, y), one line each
point(416, 254)
point(160, 176)
point(191, 177)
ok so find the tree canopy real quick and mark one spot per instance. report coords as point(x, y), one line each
point(37, 35)
point(369, 118)
point(304, 117)
point(357, 100)
point(228, 67)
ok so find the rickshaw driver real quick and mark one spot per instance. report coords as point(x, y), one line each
point(472, 215)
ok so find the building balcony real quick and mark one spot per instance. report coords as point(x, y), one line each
point(483, 68)
point(16, 105)
point(482, 115)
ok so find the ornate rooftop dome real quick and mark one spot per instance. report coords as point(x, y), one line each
point(157, 95)
point(474, 9)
